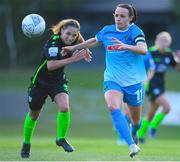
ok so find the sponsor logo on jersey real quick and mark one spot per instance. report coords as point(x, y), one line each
point(53, 51)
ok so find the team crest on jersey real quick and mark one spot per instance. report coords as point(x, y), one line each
point(53, 51)
point(29, 98)
point(167, 60)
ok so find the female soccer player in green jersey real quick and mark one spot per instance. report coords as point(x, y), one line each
point(163, 59)
point(50, 80)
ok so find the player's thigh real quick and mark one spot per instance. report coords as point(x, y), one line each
point(113, 95)
point(62, 101)
point(59, 94)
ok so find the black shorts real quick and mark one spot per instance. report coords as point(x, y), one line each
point(155, 91)
point(38, 93)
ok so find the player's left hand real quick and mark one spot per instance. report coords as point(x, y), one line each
point(120, 45)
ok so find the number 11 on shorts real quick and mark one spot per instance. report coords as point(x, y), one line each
point(139, 94)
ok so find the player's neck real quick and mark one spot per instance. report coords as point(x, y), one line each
point(123, 29)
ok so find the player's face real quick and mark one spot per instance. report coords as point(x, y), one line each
point(121, 17)
point(162, 43)
point(69, 35)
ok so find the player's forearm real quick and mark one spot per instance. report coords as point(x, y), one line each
point(87, 44)
point(56, 64)
point(139, 49)
point(150, 74)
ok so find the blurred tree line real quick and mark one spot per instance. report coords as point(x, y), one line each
point(176, 6)
point(16, 50)
point(26, 52)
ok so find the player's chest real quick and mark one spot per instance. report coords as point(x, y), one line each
point(161, 59)
point(123, 37)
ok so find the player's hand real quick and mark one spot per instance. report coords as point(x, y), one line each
point(88, 56)
point(78, 55)
point(178, 54)
point(67, 49)
point(118, 44)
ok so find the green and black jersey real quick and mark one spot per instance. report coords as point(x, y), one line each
point(162, 63)
point(51, 51)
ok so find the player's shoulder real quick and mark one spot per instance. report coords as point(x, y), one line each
point(168, 50)
point(108, 27)
point(135, 28)
point(55, 37)
point(153, 49)
point(53, 40)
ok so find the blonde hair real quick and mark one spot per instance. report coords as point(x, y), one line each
point(56, 29)
point(165, 35)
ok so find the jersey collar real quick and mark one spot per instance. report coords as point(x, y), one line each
point(124, 30)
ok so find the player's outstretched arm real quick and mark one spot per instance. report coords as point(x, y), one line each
point(77, 56)
point(139, 48)
point(90, 43)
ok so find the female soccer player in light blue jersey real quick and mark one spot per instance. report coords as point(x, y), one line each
point(124, 43)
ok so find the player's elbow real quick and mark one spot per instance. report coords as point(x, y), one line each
point(142, 48)
point(144, 51)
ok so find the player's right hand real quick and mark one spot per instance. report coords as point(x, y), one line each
point(67, 49)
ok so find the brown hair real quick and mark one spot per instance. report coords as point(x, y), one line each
point(56, 29)
point(131, 9)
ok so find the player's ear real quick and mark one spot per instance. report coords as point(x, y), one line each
point(130, 18)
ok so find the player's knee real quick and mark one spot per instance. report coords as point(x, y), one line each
point(166, 109)
point(136, 121)
point(149, 117)
point(64, 108)
point(34, 115)
point(111, 106)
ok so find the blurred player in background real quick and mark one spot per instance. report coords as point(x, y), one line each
point(163, 58)
point(124, 43)
point(50, 80)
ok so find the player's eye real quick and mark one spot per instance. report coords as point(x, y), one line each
point(68, 33)
point(115, 15)
point(119, 15)
point(74, 35)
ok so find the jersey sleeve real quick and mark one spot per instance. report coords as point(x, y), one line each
point(99, 35)
point(149, 62)
point(51, 49)
point(137, 35)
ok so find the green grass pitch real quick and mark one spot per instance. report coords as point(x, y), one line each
point(92, 142)
point(91, 135)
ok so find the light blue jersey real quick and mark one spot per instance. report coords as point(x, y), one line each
point(148, 62)
point(122, 66)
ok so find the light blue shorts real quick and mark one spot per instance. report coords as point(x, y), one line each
point(133, 95)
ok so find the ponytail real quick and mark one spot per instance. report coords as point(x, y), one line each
point(134, 15)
